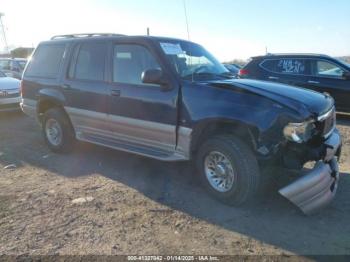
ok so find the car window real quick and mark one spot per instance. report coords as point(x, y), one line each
point(5, 64)
point(22, 64)
point(46, 61)
point(291, 66)
point(90, 63)
point(129, 61)
point(286, 66)
point(2, 74)
point(270, 65)
point(327, 69)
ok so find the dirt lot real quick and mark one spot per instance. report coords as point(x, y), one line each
point(136, 205)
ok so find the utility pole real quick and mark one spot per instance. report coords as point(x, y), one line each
point(148, 31)
point(3, 32)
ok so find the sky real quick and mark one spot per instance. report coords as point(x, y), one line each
point(230, 29)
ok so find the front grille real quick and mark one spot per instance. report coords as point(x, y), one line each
point(326, 123)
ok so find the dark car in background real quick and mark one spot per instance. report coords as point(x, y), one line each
point(321, 73)
point(13, 67)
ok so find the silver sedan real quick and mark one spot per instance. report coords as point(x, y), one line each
point(9, 93)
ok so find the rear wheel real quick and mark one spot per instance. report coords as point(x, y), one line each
point(57, 130)
point(228, 169)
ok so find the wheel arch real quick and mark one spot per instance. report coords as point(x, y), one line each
point(47, 99)
point(208, 128)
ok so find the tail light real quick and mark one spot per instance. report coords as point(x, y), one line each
point(243, 72)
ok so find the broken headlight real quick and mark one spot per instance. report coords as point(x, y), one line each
point(299, 132)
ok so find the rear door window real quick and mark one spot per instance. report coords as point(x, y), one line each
point(46, 61)
point(291, 66)
point(90, 64)
point(286, 66)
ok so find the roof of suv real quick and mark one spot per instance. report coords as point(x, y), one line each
point(107, 36)
point(299, 55)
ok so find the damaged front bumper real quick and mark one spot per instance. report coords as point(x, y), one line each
point(318, 187)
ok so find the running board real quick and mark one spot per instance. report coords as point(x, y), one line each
point(129, 147)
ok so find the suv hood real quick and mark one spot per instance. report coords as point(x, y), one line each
point(301, 100)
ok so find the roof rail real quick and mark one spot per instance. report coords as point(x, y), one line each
point(83, 35)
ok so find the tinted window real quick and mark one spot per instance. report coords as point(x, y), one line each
point(270, 65)
point(91, 62)
point(286, 66)
point(291, 66)
point(22, 64)
point(129, 61)
point(4, 64)
point(327, 69)
point(46, 61)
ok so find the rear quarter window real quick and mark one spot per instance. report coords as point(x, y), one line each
point(46, 61)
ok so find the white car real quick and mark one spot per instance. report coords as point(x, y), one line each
point(9, 93)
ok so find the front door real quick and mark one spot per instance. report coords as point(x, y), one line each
point(141, 114)
point(328, 77)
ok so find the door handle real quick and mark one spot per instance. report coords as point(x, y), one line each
point(313, 82)
point(115, 92)
point(273, 78)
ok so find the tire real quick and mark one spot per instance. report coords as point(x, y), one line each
point(246, 173)
point(58, 120)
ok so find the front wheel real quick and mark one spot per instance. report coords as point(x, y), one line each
point(58, 131)
point(228, 169)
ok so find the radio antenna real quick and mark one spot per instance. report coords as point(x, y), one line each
point(185, 10)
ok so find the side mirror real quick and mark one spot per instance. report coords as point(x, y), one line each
point(346, 75)
point(154, 76)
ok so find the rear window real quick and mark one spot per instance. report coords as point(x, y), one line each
point(285, 66)
point(46, 61)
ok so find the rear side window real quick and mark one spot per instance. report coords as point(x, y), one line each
point(90, 64)
point(286, 66)
point(46, 61)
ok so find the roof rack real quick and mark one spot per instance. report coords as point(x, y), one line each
point(83, 35)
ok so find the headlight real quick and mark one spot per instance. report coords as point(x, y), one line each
point(299, 132)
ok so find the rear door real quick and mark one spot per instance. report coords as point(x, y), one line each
point(86, 90)
point(290, 71)
point(327, 76)
point(141, 114)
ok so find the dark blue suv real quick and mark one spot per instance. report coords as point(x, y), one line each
point(171, 100)
point(321, 73)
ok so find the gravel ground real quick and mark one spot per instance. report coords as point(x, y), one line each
point(101, 201)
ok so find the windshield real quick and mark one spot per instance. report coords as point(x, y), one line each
point(193, 62)
point(343, 62)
